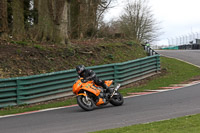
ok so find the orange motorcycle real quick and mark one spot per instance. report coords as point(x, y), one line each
point(90, 95)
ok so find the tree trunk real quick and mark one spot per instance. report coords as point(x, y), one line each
point(52, 21)
point(92, 13)
point(61, 21)
point(44, 28)
point(18, 30)
point(3, 19)
point(74, 19)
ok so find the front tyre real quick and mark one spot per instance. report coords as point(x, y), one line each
point(117, 99)
point(86, 104)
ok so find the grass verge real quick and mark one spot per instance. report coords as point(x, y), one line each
point(174, 72)
point(34, 107)
point(187, 124)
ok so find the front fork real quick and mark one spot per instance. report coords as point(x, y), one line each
point(116, 88)
point(86, 97)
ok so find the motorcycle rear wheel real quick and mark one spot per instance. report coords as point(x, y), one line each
point(117, 99)
point(87, 105)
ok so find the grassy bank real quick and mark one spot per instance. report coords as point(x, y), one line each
point(23, 59)
point(173, 71)
point(187, 124)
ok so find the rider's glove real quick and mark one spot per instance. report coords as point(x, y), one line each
point(88, 78)
point(84, 80)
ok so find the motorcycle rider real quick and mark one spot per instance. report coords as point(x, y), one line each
point(88, 74)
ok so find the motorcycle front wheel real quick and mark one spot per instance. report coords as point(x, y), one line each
point(84, 103)
point(117, 99)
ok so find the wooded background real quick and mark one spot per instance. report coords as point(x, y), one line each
point(58, 21)
point(50, 20)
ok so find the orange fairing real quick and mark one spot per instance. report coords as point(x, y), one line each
point(108, 82)
point(89, 86)
point(76, 86)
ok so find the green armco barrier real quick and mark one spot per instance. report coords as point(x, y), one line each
point(174, 47)
point(38, 88)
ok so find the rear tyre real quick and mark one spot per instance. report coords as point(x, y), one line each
point(85, 104)
point(117, 99)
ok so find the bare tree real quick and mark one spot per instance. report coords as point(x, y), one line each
point(103, 6)
point(138, 22)
point(85, 16)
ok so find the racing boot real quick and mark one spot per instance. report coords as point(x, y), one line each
point(108, 89)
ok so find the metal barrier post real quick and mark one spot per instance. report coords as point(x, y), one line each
point(18, 91)
point(157, 60)
point(115, 74)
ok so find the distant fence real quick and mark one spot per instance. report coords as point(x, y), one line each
point(38, 88)
point(173, 47)
point(188, 46)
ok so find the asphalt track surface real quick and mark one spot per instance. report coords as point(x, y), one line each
point(138, 109)
point(191, 56)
